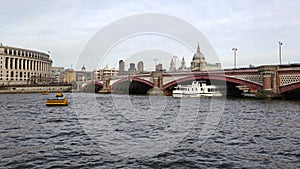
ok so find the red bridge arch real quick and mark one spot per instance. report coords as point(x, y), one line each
point(132, 79)
point(88, 85)
point(289, 87)
point(213, 77)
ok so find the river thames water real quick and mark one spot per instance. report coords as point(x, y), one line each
point(122, 131)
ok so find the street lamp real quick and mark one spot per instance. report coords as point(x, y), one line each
point(234, 56)
point(93, 75)
point(155, 60)
point(280, 53)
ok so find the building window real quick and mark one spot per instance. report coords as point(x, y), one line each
point(20, 64)
point(23, 64)
point(11, 63)
point(16, 63)
point(6, 62)
point(11, 75)
point(31, 65)
point(5, 50)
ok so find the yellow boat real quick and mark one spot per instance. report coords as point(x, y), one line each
point(57, 102)
point(44, 92)
point(59, 94)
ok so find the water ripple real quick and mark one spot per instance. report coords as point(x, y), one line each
point(250, 134)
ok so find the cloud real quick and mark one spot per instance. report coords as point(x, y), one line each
point(65, 26)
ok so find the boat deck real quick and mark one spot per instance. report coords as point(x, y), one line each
point(57, 102)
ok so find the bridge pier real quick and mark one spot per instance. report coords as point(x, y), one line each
point(270, 82)
point(157, 84)
point(106, 89)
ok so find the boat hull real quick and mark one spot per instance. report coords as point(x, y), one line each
point(45, 93)
point(57, 102)
point(196, 89)
point(185, 95)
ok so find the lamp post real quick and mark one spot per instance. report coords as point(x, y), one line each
point(93, 75)
point(234, 56)
point(155, 60)
point(280, 53)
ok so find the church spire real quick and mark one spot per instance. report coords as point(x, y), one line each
point(198, 49)
point(183, 64)
point(83, 68)
point(172, 66)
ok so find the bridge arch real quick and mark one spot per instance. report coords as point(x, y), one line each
point(131, 86)
point(289, 87)
point(214, 77)
point(132, 79)
point(92, 87)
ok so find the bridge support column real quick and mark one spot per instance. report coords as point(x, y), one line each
point(106, 89)
point(157, 81)
point(267, 81)
point(270, 81)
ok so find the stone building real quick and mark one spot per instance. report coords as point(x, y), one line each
point(199, 63)
point(140, 66)
point(183, 65)
point(62, 75)
point(83, 75)
point(121, 70)
point(172, 66)
point(68, 76)
point(56, 71)
point(105, 73)
point(20, 66)
point(132, 68)
point(121, 66)
point(159, 67)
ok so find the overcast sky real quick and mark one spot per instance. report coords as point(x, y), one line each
point(65, 26)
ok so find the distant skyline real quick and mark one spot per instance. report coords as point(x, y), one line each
point(63, 27)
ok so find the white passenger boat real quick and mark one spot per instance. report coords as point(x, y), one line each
point(197, 89)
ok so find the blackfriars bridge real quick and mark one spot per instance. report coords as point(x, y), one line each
point(267, 80)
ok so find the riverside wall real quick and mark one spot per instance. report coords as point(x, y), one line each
point(35, 89)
